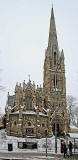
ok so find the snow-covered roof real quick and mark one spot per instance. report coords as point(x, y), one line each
point(42, 114)
point(14, 107)
point(17, 112)
point(25, 112)
point(30, 113)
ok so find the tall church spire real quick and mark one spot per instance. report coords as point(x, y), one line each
point(52, 31)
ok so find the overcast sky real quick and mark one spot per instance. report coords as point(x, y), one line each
point(24, 30)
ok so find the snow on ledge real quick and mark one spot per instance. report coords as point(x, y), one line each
point(73, 135)
point(73, 127)
point(30, 113)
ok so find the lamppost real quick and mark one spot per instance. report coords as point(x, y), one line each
point(69, 114)
point(46, 141)
point(55, 85)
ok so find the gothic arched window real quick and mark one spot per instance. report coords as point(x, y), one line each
point(37, 101)
point(55, 81)
point(29, 99)
point(29, 124)
point(29, 102)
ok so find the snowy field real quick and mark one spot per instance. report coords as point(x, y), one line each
point(41, 143)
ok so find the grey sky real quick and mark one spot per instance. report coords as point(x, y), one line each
point(24, 29)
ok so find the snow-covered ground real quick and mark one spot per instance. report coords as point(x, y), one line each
point(73, 127)
point(50, 145)
point(41, 143)
point(30, 154)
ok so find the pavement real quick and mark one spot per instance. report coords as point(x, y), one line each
point(33, 156)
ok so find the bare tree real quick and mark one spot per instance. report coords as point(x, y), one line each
point(72, 108)
point(2, 88)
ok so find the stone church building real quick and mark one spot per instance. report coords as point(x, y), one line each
point(34, 109)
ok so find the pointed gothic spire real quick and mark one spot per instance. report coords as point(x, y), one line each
point(52, 30)
point(62, 54)
point(52, 22)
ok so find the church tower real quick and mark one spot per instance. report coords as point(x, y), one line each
point(54, 83)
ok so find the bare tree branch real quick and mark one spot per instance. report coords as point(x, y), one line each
point(72, 108)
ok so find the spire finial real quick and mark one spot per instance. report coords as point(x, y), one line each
point(52, 5)
point(52, 31)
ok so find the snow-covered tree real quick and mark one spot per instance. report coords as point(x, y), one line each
point(72, 109)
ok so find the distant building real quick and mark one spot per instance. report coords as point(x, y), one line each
point(10, 100)
point(33, 109)
point(1, 121)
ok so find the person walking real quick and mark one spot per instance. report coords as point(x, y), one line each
point(70, 148)
point(64, 149)
point(62, 143)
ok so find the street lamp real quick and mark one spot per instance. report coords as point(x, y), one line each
point(55, 111)
point(46, 141)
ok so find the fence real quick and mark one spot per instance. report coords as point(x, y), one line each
point(75, 145)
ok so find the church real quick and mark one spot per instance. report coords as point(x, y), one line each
point(34, 109)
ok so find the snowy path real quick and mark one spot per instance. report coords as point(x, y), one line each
point(42, 158)
point(51, 158)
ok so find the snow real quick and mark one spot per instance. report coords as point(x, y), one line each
point(1, 115)
point(50, 145)
point(32, 158)
point(21, 107)
point(48, 110)
point(73, 135)
point(36, 107)
point(26, 112)
point(42, 114)
point(19, 124)
point(57, 89)
point(38, 120)
point(38, 125)
point(41, 143)
point(17, 112)
point(30, 112)
point(73, 127)
point(9, 107)
point(44, 109)
point(19, 119)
